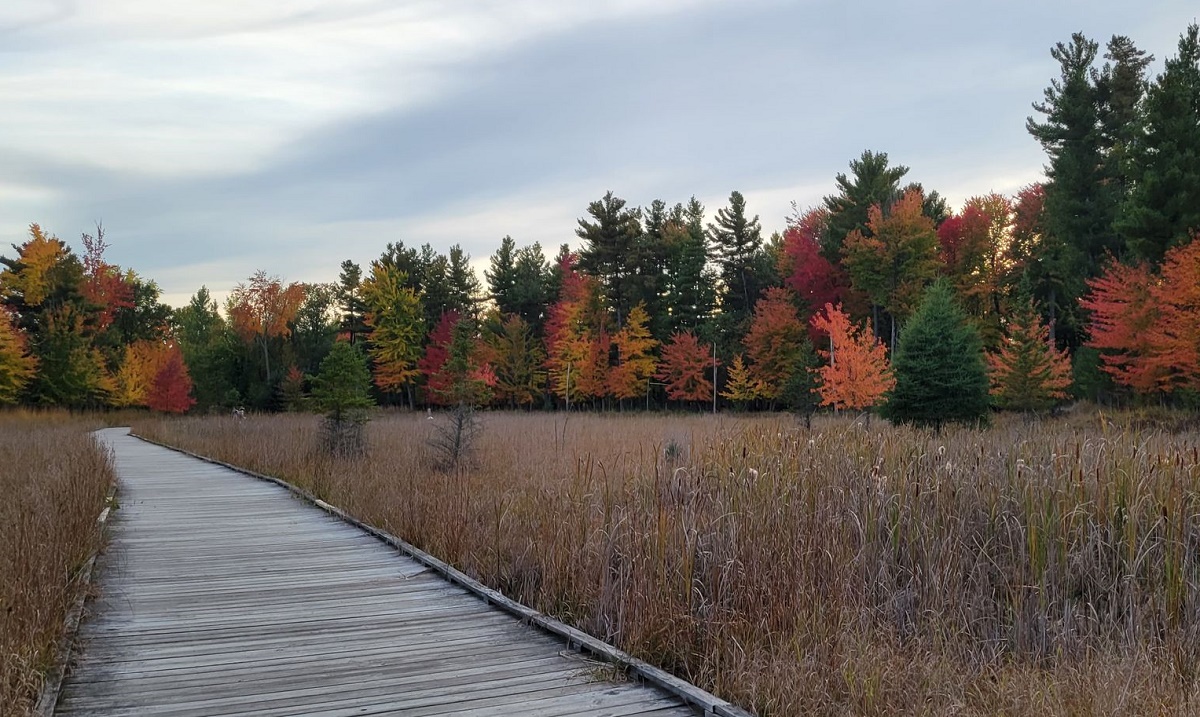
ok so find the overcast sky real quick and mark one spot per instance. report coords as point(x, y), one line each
point(219, 137)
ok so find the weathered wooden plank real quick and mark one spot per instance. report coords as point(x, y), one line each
point(223, 595)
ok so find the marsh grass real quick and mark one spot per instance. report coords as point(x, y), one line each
point(53, 481)
point(1031, 568)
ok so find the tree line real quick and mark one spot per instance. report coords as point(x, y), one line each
point(1080, 285)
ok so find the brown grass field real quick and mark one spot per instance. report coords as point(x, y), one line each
point(1031, 568)
point(53, 481)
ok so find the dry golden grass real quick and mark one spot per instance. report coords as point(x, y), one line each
point(1032, 568)
point(53, 479)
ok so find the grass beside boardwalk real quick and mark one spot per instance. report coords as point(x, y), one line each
point(1031, 568)
point(53, 480)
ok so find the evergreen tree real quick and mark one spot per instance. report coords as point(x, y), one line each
point(349, 297)
point(1165, 200)
point(610, 243)
point(873, 183)
point(501, 275)
point(689, 283)
point(1029, 373)
point(462, 285)
point(532, 290)
point(208, 350)
point(341, 389)
point(1079, 209)
point(737, 240)
point(939, 367)
point(1120, 87)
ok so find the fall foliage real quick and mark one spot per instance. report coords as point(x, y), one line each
point(1028, 373)
point(17, 365)
point(686, 368)
point(857, 375)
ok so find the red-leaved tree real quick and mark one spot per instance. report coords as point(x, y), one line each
point(686, 368)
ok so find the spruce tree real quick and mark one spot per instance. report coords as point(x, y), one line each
point(938, 366)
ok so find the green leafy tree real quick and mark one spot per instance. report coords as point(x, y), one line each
point(938, 366)
point(315, 326)
point(898, 257)
point(516, 358)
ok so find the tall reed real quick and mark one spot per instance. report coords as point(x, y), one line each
point(53, 480)
point(1032, 568)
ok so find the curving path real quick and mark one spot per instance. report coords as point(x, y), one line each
point(220, 594)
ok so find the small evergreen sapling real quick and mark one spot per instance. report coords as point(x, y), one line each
point(939, 368)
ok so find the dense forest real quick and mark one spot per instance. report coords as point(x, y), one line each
point(1084, 285)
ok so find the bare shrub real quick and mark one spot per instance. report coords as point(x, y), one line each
point(454, 436)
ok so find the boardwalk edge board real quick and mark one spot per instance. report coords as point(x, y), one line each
point(53, 682)
point(576, 639)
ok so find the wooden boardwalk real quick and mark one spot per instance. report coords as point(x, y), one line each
point(225, 595)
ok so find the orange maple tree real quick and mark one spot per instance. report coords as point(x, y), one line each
point(1124, 309)
point(773, 342)
point(1175, 334)
point(857, 374)
point(686, 368)
point(263, 309)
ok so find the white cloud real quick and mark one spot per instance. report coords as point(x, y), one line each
point(174, 89)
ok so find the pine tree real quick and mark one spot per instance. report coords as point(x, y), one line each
point(462, 286)
point(1028, 373)
point(874, 183)
point(939, 367)
point(609, 243)
point(1079, 209)
point(349, 297)
point(689, 282)
point(737, 240)
point(501, 275)
point(1165, 200)
point(341, 389)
